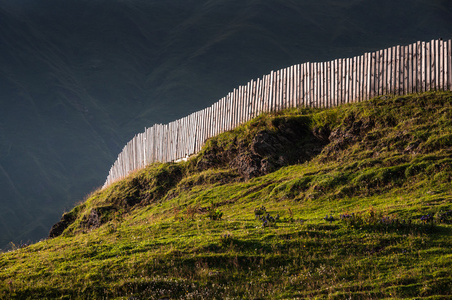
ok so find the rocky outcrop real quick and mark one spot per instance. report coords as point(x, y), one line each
point(66, 220)
point(291, 141)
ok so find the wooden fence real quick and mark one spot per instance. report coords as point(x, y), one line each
point(418, 67)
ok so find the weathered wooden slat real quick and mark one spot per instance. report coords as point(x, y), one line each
point(322, 81)
point(339, 77)
point(305, 85)
point(423, 67)
point(449, 63)
point(445, 65)
point(361, 78)
point(334, 81)
point(392, 59)
point(441, 65)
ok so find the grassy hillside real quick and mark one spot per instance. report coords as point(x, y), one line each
point(368, 216)
point(78, 78)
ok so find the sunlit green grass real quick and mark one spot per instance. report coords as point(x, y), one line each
point(165, 244)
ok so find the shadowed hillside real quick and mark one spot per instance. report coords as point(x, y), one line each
point(79, 78)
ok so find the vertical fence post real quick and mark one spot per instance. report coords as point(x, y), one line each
point(449, 64)
point(441, 65)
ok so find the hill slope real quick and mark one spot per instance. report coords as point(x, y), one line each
point(358, 203)
point(79, 78)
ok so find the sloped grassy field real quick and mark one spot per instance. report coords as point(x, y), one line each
point(368, 218)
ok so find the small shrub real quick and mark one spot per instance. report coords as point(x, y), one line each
point(262, 215)
point(215, 214)
point(445, 217)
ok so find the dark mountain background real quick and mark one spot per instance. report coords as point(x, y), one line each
point(78, 78)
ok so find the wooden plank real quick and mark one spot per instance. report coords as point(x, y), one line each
point(280, 89)
point(391, 70)
point(394, 77)
point(445, 66)
point(295, 85)
point(336, 83)
point(410, 68)
point(358, 80)
point(325, 84)
point(315, 75)
point(323, 76)
point(318, 83)
point(350, 80)
point(397, 72)
point(314, 84)
point(362, 77)
point(271, 89)
point(423, 67)
point(365, 81)
point(334, 87)
point(354, 75)
point(449, 63)
point(433, 78)
point(192, 145)
point(400, 69)
point(255, 98)
point(241, 104)
point(330, 79)
point(383, 72)
point(308, 85)
point(347, 80)
point(261, 95)
point(275, 91)
point(305, 85)
point(249, 90)
point(291, 86)
point(265, 93)
point(245, 107)
point(380, 72)
point(428, 66)
point(245, 103)
point(188, 130)
point(294, 81)
point(252, 100)
point(379, 83)
point(329, 83)
point(196, 136)
point(299, 85)
point(228, 112)
point(268, 91)
point(216, 114)
point(344, 80)
point(371, 82)
point(340, 76)
point(288, 88)
point(419, 67)
point(311, 85)
point(441, 65)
